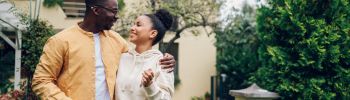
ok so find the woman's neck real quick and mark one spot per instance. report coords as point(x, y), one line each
point(140, 48)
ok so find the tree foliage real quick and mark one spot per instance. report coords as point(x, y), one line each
point(305, 50)
point(236, 44)
point(191, 14)
point(52, 3)
point(33, 41)
point(127, 16)
point(188, 14)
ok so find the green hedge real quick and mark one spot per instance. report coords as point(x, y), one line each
point(34, 39)
point(305, 52)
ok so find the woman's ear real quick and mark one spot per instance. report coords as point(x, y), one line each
point(153, 34)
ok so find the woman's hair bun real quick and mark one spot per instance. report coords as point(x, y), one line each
point(165, 17)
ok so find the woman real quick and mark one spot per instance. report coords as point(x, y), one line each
point(140, 75)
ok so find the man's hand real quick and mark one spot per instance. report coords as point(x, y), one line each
point(147, 77)
point(168, 62)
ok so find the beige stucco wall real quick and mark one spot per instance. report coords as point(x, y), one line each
point(54, 15)
point(197, 56)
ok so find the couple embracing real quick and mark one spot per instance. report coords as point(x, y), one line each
point(88, 61)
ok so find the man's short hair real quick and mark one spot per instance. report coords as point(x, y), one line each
point(91, 3)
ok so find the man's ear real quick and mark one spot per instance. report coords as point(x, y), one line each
point(95, 10)
point(153, 34)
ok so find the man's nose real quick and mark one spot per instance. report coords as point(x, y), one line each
point(115, 18)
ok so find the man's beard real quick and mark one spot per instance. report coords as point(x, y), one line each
point(107, 27)
point(104, 27)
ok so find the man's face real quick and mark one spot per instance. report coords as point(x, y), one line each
point(106, 14)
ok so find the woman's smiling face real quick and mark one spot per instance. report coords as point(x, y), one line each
point(142, 30)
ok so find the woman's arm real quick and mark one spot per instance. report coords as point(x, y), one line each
point(158, 86)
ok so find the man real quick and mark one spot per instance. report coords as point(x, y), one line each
point(81, 62)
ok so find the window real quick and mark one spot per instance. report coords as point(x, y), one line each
point(74, 8)
point(173, 50)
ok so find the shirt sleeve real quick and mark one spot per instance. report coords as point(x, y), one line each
point(125, 46)
point(163, 86)
point(48, 69)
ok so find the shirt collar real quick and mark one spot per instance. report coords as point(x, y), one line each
point(104, 32)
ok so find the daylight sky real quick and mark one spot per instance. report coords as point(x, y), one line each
point(226, 9)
